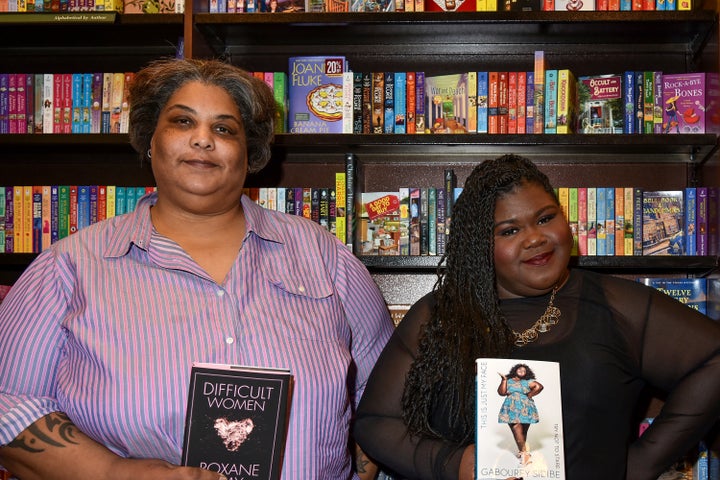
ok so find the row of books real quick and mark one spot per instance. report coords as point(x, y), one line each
point(64, 102)
point(325, 205)
point(77, 6)
point(605, 221)
point(633, 221)
point(322, 95)
point(279, 6)
point(32, 217)
point(326, 96)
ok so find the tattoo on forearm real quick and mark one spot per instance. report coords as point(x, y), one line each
point(35, 440)
point(361, 462)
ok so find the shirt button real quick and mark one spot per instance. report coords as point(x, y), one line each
point(229, 340)
point(301, 288)
point(220, 293)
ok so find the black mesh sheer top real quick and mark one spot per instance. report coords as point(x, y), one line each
point(615, 337)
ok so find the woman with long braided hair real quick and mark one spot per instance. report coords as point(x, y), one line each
point(505, 290)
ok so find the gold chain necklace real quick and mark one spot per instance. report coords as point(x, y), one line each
point(543, 324)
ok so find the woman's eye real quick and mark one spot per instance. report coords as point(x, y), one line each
point(546, 219)
point(507, 232)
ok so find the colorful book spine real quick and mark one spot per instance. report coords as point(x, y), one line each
point(400, 103)
point(690, 221)
point(628, 85)
point(551, 95)
point(601, 221)
point(3, 205)
point(420, 102)
point(573, 217)
point(649, 102)
point(367, 95)
point(357, 102)
point(582, 206)
point(628, 228)
point(701, 215)
point(482, 102)
point(432, 220)
point(566, 100)
point(348, 84)
point(340, 206)
point(28, 208)
point(503, 102)
point(609, 221)
point(637, 221)
point(521, 102)
point(472, 109)
point(619, 221)
point(9, 220)
point(441, 209)
point(530, 103)
point(350, 167)
point(639, 102)
point(658, 103)
point(415, 232)
point(493, 102)
point(592, 220)
point(539, 92)
point(36, 232)
point(512, 92)
point(404, 237)
point(411, 103)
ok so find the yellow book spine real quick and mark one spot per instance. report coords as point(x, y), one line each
point(110, 201)
point(27, 217)
point(18, 221)
point(340, 207)
point(628, 228)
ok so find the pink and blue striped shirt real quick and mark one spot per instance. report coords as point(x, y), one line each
point(104, 326)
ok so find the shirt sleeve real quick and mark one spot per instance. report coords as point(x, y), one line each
point(679, 353)
point(31, 340)
point(366, 313)
point(380, 428)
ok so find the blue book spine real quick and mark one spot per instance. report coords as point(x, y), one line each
point(482, 102)
point(551, 92)
point(610, 221)
point(690, 223)
point(400, 96)
point(600, 219)
point(389, 123)
point(86, 116)
point(83, 206)
point(77, 98)
point(120, 200)
point(625, 5)
point(530, 102)
point(628, 86)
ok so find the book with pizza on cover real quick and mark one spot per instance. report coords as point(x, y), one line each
point(236, 421)
point(511, 391)
point(315, 94)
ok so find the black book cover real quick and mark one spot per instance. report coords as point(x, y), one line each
point(236, 420)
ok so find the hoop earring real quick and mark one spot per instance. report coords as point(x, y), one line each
point(149, 153)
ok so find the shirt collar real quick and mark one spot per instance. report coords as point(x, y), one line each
point(137, 228)
point(261, 221)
